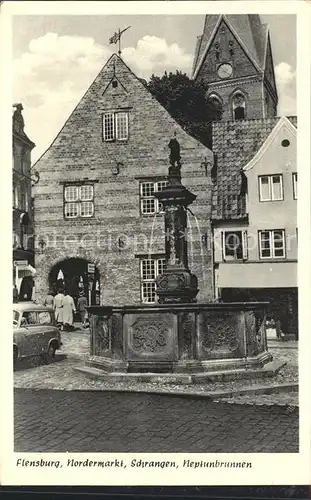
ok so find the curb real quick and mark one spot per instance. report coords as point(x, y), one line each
point(274, 389)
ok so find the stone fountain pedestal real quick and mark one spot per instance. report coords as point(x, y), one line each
point(184, 343)
point(178, 340)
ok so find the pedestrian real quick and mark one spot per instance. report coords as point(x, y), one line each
point(59, 308)
point(69, 310)
point(15, 293)
point(81, 307)
point(49, 299)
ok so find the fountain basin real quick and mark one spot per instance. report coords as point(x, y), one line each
point(171, 341)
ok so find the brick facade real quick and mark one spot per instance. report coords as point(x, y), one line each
point(79, 153)
point(252, 65)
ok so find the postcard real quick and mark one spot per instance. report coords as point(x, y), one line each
point(160, 156)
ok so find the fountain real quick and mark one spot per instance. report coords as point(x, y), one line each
point(178, 339)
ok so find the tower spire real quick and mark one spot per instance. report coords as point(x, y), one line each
point(234, 59)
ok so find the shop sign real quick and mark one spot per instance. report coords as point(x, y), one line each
point(20, 262)
point(91, 268)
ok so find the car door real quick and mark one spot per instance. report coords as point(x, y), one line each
point(47, 329)
point(33, 334)
point(21, 339)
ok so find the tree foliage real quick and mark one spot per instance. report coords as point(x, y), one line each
point(186, 101)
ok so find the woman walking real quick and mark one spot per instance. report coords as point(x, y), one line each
point(69, 310)
point(81, 306)
point(59, 308)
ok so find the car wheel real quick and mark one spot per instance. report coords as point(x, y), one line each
point(50, 354)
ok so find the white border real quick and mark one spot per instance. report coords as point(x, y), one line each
point(284, 469)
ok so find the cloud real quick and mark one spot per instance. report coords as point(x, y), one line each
point(286, 85)
point(154, 55)
point(52, 76)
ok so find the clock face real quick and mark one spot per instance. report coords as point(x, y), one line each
point(225, 71)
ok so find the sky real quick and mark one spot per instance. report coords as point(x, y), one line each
point(56, 58)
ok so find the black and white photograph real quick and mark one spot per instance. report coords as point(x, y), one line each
point(154, 256)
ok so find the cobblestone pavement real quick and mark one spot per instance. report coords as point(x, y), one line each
point(62, 376)
point(59, 421)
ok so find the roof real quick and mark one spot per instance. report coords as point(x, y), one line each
point(248, 27)
point(235, 143)
point(86, 118)
point(30, 306)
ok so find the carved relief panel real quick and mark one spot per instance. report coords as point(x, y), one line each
point(221, 335)
point(150, 336)
point(186, 335)
point(101, 340)
point(255, 332)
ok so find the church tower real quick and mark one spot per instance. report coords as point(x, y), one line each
point(234, 57)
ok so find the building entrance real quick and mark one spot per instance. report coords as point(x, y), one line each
point(76, 275)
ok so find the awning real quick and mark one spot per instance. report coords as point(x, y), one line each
point(28, 268)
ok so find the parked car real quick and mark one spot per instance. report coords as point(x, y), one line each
point(34, 331)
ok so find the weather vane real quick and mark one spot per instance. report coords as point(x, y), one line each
point(117, 38)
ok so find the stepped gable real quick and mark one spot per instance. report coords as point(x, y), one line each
point(235, 144)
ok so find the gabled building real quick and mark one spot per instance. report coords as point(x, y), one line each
point(234, 56)
point(254, 213)
point(98, 225)
point(23, 238)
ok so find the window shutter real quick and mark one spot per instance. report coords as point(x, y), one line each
point(244, 245)
point(223, 244)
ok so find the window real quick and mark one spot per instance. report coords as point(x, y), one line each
point(270, 188)
point(30, 318)
point(239, 106)
point(23, 200)
point(148, 203)
point(215, 100)
point(78, 201)
point(231, 52)
point(295, 185)
point(16, 197)
point(115, 126)
point(234, 245)
point(272, 244)
point(44, 318)
point(26, 201)
point(149, 270)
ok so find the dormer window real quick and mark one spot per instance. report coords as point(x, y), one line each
point(239, 106)
point(115, 126)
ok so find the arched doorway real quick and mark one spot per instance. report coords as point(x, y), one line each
point(76, 275)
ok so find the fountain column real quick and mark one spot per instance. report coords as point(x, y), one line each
point(176, 284)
